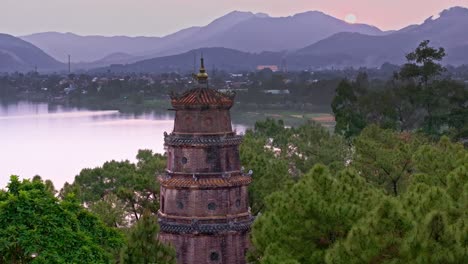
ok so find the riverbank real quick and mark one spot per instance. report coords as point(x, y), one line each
point(246, 114)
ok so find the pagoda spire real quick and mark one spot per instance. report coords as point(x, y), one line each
point(202, 76)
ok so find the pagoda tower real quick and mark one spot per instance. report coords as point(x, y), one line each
point(204, 210)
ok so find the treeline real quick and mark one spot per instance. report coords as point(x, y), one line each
point(418, 98)
point(105, 216)
point(390, 197)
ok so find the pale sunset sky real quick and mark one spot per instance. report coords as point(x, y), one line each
point(158, 17)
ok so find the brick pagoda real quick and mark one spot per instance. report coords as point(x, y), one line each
point(204, 209)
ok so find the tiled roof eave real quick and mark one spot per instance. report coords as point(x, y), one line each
point(176, 182)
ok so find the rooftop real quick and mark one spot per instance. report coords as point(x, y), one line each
point(202, 97)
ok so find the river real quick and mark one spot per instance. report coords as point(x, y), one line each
point(56, 142)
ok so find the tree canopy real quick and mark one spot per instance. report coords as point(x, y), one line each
point(120, 190)
point(143, 246)
point(356, 216)
point(418, 98)
point(39, 228)
point(279, 156)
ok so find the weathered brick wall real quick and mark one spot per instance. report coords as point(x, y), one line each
point(203, 121)
point(209, 159)
point(195, 202)
point(229, 248)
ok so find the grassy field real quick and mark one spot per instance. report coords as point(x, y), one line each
point(291, 118)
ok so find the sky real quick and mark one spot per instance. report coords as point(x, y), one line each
point(162, 17)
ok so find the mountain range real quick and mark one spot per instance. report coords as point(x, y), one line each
point(244, 31)
point(448, 31)
point(19, 55)
point(241, 41)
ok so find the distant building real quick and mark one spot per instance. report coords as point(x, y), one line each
point(237, 75)
point(286, 91)
point(273, 68)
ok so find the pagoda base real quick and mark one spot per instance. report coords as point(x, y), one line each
point(226, 248)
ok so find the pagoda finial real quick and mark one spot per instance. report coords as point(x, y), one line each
point(202, 76)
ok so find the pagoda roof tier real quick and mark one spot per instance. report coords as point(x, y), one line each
point(212, 219)
point(202, 141)
point(196, 227)
point(202, 97)
point(202, 183)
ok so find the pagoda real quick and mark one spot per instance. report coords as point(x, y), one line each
point(204, 212)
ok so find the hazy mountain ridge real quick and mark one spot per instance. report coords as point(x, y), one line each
point(244, 35)
point(243, 31)
point(219, 58)
point(19, 55)
point(60, 45)
point(187, 39)
point(448, 31)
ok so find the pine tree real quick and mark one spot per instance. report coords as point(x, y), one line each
point(376, 238)
point(302, 223)
point(143, 246)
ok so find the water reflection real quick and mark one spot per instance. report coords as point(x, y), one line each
point(56, 142)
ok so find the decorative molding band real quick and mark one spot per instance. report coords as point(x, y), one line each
point(196, 228)
point(203, 141)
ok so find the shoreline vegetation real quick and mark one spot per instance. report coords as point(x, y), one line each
point(244, 114)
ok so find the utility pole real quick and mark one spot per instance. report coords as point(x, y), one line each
point(69, 63)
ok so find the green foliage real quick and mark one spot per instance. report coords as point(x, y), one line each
point(300, 224)
point(38, 228)
point(374, 239)
point(438, 160)
point(143, 246)
point(349, 119)
point(111, 210)
point(417, 99)
point(135, 185)
point(384, 157)
point(279, 155)
point(422, 64)
point(270, 173)
point(341, 218)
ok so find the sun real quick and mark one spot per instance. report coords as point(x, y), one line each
point(350, 18)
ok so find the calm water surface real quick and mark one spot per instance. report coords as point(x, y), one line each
point(56, 142)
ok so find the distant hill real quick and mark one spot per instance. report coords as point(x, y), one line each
point(340, 50)
point(259, 32)
point(243, 31)
point(354, 49)
point(186, 39)
point(59, 45)
point(19, 55)
point(220, 58)
point(114, 58)
point(307, 40)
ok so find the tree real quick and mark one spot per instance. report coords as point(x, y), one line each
point(434, 162)
point(422, 65)
point(349, 119)
point(384, 157)
point(417, 99)
point(303, 222)
point(111, 210)
point(134, 184)
point(278, 155)
point(270, 174)
point(143, 246)
point(424, 224)
point(374, 239)
point(39, 228)
point(311, 144)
